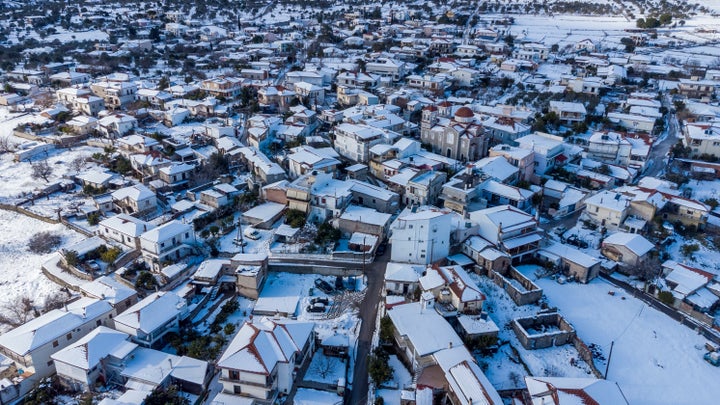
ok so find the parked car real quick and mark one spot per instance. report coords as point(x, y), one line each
point(560, 230)
point(251, 233)
point(320, 300)
point(576, 241)
point(324, 286)
point(318, 307)
point(339, 283)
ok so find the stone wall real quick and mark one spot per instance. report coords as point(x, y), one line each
point(529, 331)
point(529, 294)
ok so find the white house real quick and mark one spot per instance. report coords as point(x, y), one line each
point(135, 199)
point(115, 293)
point(511, 230)
point(261, 360)
point(354, 141)
point(168, 242)
point(421, 237)
point(148, 321)
point(124, 228)
point(547, 150)
point(30, 346)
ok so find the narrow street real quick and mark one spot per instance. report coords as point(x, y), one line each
point(659, 151)
point(368, 313)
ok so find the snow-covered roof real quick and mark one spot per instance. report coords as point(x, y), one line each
point(571, 254)
point(365, 215)
point(563, 390)
point(152, 312)
point(137, 192)
point(102, 342)
point(403, 272)
point(127, 225)
point(259, 346)
point(424, 327)
point(107, 288)
point(634, 242)
point(53, 325)
point(466, 379)
point(166, 231)
point(264, 212)
point(686, 279)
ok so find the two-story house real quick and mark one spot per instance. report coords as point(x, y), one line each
point(148, 321)
point(124, 228)
point(261, 359)
point(166, 243)
point(421, 236)
point(136, 199)
point(29, 346)
point(510, 229)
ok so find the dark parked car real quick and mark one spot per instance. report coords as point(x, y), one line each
point(575, 241)
point(315, 308)
point(320, 300)
point(324, 286)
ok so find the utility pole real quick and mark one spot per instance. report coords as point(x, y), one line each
point(240, 237)
point(607, 367)
point(363, 250)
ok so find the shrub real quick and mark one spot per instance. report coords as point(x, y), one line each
point(44, 242)
point(110, 255)
point(378, 367)
point(145, 280)
point(93, 218)
point(295, 218)
point(71, 257)
point(688, 249)
point(666, 298)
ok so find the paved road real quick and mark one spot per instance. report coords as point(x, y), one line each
point(368, 313)
point(659, 151)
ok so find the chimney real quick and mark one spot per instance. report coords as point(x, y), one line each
point(450, 345)
point(170, 361)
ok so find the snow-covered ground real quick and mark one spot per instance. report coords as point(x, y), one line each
point(21, 274)
point(505, 369)
point(325, 369)
point(655, 360)
point(401, 379)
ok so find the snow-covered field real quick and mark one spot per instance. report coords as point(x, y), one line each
point(505, 369)
point(21, 274)
point(655, 360)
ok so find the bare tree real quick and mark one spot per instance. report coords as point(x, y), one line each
point(44, 242)
point(78, 164)
point(41, 170)
point(5, 145)
point(54, 301)
point(17, 312)
point(324, 366)
point(646, 270)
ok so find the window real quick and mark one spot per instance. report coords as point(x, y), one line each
point(55, 344)
point(98, 323)
point(69, 336)
point(50, 363)
point(234, 375)
point(237, 389)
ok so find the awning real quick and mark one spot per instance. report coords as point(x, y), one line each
point(521, 241)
